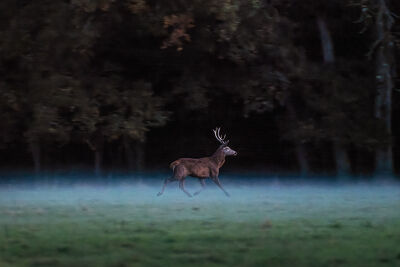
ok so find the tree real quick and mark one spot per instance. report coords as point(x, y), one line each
point(100, 74)
point(126, 111)
point(378, 12)
point(341, 157)
point(384, 77)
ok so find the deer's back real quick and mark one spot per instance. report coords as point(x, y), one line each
point(200, 167)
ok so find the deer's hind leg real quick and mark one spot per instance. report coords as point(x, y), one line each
point(203, 184)
point(182, 186)
point(166, 181)
point(180, 173)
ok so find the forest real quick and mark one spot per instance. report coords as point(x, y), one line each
point(298, 86)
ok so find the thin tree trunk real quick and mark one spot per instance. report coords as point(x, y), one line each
point(97, 149)
point(301, 155)
point(326, 41)
point(341, 157)
point(98, 156)
point(342, 160)
point(343, 166)
point(384, 70)
point(140, 155)
point(301, 152)
point(35, 150)
point(129, 157)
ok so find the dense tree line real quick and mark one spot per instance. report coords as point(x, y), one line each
point(314, 81)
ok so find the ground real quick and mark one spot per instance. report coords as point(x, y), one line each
point(266, 222)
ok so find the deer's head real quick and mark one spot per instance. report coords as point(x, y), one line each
point(224, 143)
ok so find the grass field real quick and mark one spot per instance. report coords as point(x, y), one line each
point(266, 222)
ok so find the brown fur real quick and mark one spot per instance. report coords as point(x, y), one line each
point(202, 168)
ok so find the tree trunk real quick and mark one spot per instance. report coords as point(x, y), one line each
point(98, 156)
point(301, 152)
point(384, 71)
point(97, 148)
point(129, 157)
point(342, 160)
point(140, 155)
point(326, 41)
point(384, 162)
point(340, 154)
point(35, 150)
point(301, 155)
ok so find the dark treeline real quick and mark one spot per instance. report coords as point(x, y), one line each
point(297, 85)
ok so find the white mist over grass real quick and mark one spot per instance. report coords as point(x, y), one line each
point(119, 221)
point(253, 199)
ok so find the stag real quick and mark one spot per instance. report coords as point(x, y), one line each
point(201, 168)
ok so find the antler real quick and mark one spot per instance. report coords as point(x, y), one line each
point(219, 137)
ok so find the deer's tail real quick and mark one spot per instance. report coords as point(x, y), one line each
point(173, 164)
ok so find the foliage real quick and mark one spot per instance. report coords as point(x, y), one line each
point(76, 70)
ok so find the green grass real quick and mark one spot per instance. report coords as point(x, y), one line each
point(287, 226)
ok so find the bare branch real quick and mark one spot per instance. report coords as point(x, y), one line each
point(92, 147)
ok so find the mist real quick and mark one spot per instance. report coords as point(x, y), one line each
point(275, 197)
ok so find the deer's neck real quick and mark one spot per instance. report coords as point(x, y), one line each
point(219, 158)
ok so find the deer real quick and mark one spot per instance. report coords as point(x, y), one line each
point(201, 168)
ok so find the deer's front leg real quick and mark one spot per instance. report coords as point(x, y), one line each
point(217, 182)
point(203, 184)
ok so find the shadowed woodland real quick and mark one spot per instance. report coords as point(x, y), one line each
point(298, 86)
